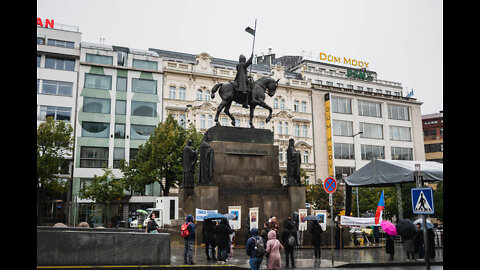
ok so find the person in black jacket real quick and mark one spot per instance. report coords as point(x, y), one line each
point(289, 248)
point(152, 226)
point(208, 233)
point(316, 231)
point(390, 246)
point(222, 239)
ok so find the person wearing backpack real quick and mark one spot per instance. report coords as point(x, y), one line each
point(289, 239)
point(188, 234)
point(255, 249)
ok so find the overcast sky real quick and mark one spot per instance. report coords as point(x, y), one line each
point(402, 40)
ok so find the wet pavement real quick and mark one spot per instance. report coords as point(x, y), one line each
point(350, 257)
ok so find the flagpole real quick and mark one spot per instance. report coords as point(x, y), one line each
point(253, 46)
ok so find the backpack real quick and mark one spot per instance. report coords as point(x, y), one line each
point(184, 229)
point(259, 248)
point(291, 240)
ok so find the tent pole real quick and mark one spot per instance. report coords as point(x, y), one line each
point(399, 201)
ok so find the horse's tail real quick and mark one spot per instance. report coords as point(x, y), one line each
point(214, 89)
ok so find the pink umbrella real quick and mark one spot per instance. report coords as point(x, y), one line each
point(388, 227)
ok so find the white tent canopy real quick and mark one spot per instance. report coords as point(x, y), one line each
point(381, 172)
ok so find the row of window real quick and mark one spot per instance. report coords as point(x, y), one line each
point(282, 128)
point(372, 109)
point(102, 130)
point(283, 153)
point(56, 42)
point(108, 60)
point(369, 89)
point(370, 152)
point(102, 105)
point(59, 63)
point(104, 82)
point(371, 131)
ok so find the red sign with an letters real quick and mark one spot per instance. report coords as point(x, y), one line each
point(48, 23)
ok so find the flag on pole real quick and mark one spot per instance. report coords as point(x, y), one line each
point(250, 30)
point(410, 94)
point(380, 207)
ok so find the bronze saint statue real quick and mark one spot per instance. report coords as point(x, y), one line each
point(189, 159)
point(293, 165)
point(241, 77)
point(207, 162)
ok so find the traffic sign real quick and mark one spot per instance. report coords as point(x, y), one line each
point(330, 185)
point(422, 201)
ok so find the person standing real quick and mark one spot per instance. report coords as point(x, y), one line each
point(255, 259)
point(287, 236)
point(409, 246)
point(418, 244)
point(390, 246)
point(273, 251)
point(222, 239)
point(208, 234)
point(189, 241)
point(316, 231)
point(152, 225)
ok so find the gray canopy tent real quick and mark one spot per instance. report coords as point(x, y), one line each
point(382, 173)
point(385, 173)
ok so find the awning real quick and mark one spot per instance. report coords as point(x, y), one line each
point(381, 172)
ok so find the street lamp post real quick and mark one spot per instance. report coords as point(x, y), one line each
point(355, 166)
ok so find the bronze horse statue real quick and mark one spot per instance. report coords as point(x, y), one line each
point(229, 94)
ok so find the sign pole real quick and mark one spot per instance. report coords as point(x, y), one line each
point(418, 174)
point(331, 215)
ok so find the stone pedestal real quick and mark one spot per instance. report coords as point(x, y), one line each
point(246, 174)
point(186, 202)
point(206, 197)
point(297, 197)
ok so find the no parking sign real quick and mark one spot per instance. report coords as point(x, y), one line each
point(330, 185)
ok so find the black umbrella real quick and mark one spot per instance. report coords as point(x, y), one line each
point(311, 217)
point(406, 228)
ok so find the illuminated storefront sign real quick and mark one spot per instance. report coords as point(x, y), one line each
point(328, 123)
point(48, 23)
point(349, 61)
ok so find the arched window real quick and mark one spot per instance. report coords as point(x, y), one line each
point(207, 95)
point(275, 103)
point(199, 94)
point(282, 104)
point(202, 121)
point(305, 157)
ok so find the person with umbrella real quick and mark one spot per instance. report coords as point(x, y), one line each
point(222, 239)
point(209, 237)
point(390, 230)
point(406, 229)
point(316, 231)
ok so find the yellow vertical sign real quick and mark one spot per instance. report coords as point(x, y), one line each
point(328, 123)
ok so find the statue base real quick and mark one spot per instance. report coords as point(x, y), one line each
point(186, 202)
point(206, 197)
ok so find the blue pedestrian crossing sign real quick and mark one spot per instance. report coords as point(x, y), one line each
point(422, 201)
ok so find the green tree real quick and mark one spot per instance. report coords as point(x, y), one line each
point(159, 159)
point(438, 201)
point(103, 190)
point(54, 142)
point(318, 198)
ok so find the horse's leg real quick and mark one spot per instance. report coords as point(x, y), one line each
point(264, 105)
point(252, 109)
point(227, 112)
point(219, 110)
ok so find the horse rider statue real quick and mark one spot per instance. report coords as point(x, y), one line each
point(244, 81)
